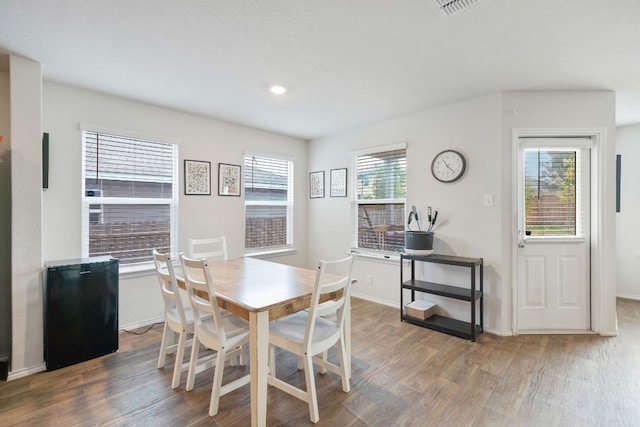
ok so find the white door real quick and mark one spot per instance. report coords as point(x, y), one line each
point(553, 289)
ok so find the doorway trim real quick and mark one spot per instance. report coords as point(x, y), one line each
point(598, 296)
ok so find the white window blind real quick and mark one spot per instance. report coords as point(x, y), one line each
point(130, 197)
point(268, 203)
point(551, 192)
point(380, 197)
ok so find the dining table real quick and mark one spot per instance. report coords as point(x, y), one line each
point(261, 291)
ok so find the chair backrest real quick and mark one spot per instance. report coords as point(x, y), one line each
point(213, 248)
point(202, 293)
point(173, 307)
point(332, 276)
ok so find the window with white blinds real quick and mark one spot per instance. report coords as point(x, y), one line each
point(268, 185)
point(380, 196)
point(130, 197)
point(551, 192)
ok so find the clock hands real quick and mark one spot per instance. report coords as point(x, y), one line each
point(447, 165)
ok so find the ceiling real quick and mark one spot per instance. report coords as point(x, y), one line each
point(346, 63)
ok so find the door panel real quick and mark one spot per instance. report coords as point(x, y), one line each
point(553, 289)
point(535, 282)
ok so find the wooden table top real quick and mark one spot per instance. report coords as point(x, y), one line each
point(245, 285)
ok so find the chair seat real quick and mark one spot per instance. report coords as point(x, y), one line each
point(233, 326)
point(292, 328)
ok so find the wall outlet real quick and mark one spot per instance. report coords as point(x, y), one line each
point(369, 280)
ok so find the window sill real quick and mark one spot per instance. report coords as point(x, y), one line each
point(272, 254)
point(137, 270)
point(553, 239)
point(377, 256)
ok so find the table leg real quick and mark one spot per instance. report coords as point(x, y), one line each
point(259, 353)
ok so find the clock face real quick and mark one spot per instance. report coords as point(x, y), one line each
point(448, 166)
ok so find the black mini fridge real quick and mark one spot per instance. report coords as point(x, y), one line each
point(80, 310)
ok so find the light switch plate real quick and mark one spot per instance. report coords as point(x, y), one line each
point(488, 200)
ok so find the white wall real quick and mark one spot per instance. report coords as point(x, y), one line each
point(63, 109)
point(481, 129)
point(26, 213)
point(5, 216)
point(199, 139)
point(466, 228)
point(627, 220)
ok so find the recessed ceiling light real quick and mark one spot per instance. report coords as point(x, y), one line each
point(277, 89)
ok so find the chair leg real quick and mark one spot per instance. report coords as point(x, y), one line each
point(217, 384)
point(344, 367)
point(193, 362)
point(177, 366)
point(272, 360)
point(163, 345)
point(325, 357)
point(312, 397)
point(242, 358)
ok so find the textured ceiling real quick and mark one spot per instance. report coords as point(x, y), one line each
point(347, 63)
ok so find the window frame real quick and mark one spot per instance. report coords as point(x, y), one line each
point(288, 203)
point(582, 147)
point(355, 202)
point(139, 268)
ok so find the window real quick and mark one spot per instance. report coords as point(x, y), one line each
point(380, 196)
point(130, 197)
point(551, 192)
point(268, 199)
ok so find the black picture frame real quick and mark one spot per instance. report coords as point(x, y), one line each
point(197, 178)
point(338, 182)
point(618, 180)
point(316, 185)
point(229, 179)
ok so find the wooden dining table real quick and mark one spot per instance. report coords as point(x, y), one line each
point(262, 291)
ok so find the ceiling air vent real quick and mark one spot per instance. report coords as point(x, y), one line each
point(446, 8)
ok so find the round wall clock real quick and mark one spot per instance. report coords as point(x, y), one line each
point(448, 166)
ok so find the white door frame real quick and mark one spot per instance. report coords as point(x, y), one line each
point(598, 171)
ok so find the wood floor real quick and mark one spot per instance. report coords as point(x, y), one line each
point(403, 375)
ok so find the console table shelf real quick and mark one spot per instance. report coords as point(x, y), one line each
point(473, 294)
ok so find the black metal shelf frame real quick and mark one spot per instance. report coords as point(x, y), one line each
point(468, 330)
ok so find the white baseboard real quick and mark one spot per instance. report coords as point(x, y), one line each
point(628, 296)
point(141, 324)
point(14, 375)
point(376, 300)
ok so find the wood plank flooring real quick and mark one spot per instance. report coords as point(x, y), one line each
point(403, 375)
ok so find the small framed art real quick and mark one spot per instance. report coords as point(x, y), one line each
point(338, 183)
point(316, 184)
point(228, 180)
point(197, 178)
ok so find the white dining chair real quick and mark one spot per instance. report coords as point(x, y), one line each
point(178, 317)
point(309, 334)
point(226, 335)
point(213, 248)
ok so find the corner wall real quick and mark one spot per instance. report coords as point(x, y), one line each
point(628, 226)
point(465, 227)
point(26, 214)
point(5, 221)
point(481, 129)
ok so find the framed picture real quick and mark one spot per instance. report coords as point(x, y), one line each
point(197, 178)
point(228, 180)
point(316, 184)
point(338, 183)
